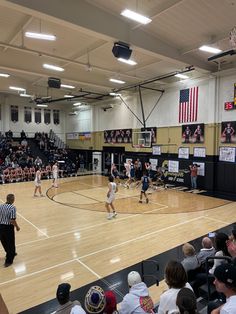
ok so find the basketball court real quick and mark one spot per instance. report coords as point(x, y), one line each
point(65, 236)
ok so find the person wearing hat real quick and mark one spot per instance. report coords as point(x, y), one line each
point(111, 303)
point(95, 300)
point(67, 306)
point(137, 301)
point(225, 282)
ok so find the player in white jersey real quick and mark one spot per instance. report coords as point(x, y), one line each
point(37, 182)
point(55, 175)
point(112, 189)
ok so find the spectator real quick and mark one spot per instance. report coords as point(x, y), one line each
point(207, 250)
point(22, 135)
point(190, 261)
point(111, 303)
point(176, 279)
point(95, 300)
point(221, 249)
point(38, 162)
point(225, 282)
point(186, 301)
point(67, 306)
point(137, 301)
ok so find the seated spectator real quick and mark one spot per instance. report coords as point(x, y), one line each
point(24, 143)
point(221, 250)
point(22, 135)
point(186, 301)
point(111, 303)
point(176, 279)
point(207, 250)
point(38, 162)
point(95, 300)
point(138, 299)
point(67, 306)
point(225, 282)
point(190, 261)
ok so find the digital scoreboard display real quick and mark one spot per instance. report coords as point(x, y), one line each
point(229, 105)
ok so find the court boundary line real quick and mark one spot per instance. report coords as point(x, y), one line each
point(99, 251)
point(217, 220)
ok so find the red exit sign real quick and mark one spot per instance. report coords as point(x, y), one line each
point(229, 105)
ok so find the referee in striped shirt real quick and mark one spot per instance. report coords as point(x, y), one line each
point(7, 225)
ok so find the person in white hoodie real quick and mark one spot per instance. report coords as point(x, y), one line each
point(137, 301)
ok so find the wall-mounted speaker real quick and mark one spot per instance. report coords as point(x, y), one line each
point(54, 82)
point(121, 50)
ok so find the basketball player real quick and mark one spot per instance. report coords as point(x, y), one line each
point(37, 182)
point(55, 175)
point(146, 181)
point(228, 132)
point(112, 189)
point(187, 134)
point(114, 173)
point(130, 172)
point(197, 134)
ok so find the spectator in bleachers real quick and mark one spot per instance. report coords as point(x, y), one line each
point(24, 143)
point(186, 301)
point(9, 135)
point(176, 279)
point(207, 250)
point(95, 300)
point(190, 261)
point(137, 301)
point(38, 162)
point(111, 303)
point(7, 161)
point(22, 135)
point(221, 249)
point(66, 305)
point(225, 282)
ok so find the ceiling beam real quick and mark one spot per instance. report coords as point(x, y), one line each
point(104, 25)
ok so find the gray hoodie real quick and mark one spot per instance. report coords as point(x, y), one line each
point(137, 301)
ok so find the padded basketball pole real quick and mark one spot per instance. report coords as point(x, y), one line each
point(141, 103)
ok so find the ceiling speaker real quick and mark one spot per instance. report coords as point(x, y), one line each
point(121, 50)
point(54, 82)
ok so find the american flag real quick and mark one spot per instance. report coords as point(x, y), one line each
point(188, 105)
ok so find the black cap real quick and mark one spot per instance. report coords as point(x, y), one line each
point(63, 291)
point(226, 273)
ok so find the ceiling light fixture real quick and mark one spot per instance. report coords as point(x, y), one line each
point(116, 81)
point(67, 86)
point(40, 36)
point(77, 104)
point(114, 94)
point(136, 16)
point(209, 49)
point(42, 105)
point(130, 62)
point(4, 75)
point(53, 67)
point(26, 95)
point(68, 96)
point(182, 76)
point(19, 89)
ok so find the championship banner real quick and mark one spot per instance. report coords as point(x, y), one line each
point(193, 133)
point(118, 136)
point(83, 136)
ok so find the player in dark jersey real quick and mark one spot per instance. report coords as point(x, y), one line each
point(115, 173)
point(228, 132)
point(146, 181)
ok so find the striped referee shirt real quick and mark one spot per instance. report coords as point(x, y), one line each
point(7, 213)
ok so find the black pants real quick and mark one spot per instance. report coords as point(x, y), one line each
point(7, 237)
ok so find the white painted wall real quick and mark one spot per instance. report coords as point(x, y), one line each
point(30, 128)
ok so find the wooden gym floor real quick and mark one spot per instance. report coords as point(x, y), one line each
point(65, 236)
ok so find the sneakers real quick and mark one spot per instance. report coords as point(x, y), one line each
point(114, 214)
point(140, 201)
point(109, 216)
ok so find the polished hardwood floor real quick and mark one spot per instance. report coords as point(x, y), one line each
point(65, 236)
